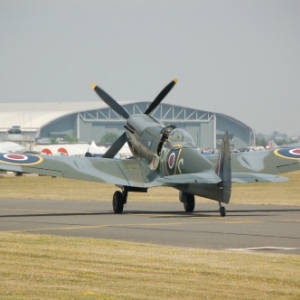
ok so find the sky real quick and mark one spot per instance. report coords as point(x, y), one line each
point(240, 58)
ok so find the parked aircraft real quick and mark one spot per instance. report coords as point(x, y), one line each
point(63, 149)
point(76, 149)
point(79, 149)
point(11, 147)
point(163, 155)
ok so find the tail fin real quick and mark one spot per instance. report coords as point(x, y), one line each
point(223, 168)
point(272, 145)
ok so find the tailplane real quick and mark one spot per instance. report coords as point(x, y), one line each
point(223, 169)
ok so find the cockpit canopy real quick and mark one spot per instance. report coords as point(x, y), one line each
point(180, 135)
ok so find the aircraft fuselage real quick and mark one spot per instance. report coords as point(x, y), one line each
point(174, 155)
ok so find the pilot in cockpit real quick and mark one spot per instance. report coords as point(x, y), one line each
point(166, 133)
point(164, 136)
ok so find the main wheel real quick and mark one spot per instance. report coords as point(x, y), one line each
point(118, 202)
point(188, 201)
point(222, 211)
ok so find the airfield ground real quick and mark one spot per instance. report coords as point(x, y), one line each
point(55, 267)
point(40, 187)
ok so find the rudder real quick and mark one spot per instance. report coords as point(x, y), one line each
point(223, 168)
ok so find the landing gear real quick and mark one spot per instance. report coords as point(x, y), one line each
point(120, 198)
point(188, 201)
point(118, 201)
point(222, 210)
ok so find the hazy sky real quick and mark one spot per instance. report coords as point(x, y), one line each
point(240, 58)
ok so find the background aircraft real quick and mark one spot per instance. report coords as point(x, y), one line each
point(11, 147)
point(163, 155)
point(75, 149)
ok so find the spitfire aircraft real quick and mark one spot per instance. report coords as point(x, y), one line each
point(163, 155)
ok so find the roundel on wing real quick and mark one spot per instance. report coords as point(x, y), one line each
point(295, 152)
point(288, 153)
point(20, 159)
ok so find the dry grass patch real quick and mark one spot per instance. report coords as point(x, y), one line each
point(39, 187)
point(49, 267)
point(282, 193)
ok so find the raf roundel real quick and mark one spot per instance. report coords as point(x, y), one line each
point(20, 159)
point(171, 160)
point(295, 152)
point(288, 153)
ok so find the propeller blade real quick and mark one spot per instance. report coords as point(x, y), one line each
point(110, 102)
point(160, 96)
point(116, 146)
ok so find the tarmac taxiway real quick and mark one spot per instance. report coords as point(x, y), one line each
point(245, 228)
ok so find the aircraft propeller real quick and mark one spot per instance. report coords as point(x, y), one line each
point(160, 97)
point(118, 144)
point(110, 102)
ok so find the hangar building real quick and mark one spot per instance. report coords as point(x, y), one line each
point(88, 121)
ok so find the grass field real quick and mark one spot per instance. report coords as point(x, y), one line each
point(54, 267)
point(40, 187)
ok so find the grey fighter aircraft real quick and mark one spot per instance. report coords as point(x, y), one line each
point(163, 155)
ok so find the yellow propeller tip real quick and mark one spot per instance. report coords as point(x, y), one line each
point(93, 86)
point(175, 80)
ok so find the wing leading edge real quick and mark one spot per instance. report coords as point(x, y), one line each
point(120, 172)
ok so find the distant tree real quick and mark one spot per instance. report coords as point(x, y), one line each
point(279, 138)
point(53, 140)
point(281, 142)
point(108, 138)
point(274, 135)
point(70, 139)
point(292, 140)
point(261, 141)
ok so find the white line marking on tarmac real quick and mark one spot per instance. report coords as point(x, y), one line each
point(265, 248)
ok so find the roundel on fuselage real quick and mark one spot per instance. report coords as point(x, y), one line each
point(171, 161)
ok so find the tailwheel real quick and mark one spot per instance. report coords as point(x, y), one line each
point(222, 211)
point(188, 201)
point(118, 202)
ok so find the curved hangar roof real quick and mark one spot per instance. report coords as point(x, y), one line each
point(34, 115)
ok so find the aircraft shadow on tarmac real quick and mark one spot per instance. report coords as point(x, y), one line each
point(162, 214)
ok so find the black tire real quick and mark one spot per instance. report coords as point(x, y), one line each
point(118, 202)
point(222, 211)
point(188, 201)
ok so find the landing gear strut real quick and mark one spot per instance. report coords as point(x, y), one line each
point(188, 201)
point(118, 201)
point(222, 210)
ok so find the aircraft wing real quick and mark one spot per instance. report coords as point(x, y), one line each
point(119, 172)
point(204, 177)
point(262, 166)
point(239, 177)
